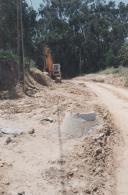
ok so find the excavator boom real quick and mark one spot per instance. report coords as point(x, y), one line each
point(48, 60)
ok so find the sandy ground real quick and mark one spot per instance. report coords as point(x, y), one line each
point(39, 161)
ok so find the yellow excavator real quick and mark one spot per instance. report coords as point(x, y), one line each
point(54, 70)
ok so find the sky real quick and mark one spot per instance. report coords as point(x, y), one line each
point(36, 3)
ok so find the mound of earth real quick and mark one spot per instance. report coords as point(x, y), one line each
point(9, 88)
point(35, 80)
point(40, 77)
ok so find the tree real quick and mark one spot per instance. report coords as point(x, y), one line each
point(8, 26)
point(83, 35)
point(123, 54)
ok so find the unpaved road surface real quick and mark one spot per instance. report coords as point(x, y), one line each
point(34, 163)
point(116, 100)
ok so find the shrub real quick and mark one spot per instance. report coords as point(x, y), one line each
point(5, 54)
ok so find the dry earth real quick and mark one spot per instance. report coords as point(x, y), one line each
point(34, 163)
point(116, 101)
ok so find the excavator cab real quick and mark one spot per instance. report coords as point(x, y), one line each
point(56, 68)
point(57, 72)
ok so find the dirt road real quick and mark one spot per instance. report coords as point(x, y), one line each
point(116, 100)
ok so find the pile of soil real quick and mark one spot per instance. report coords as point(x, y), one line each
point(35, 80)
point(9, 89)
point(40, 77)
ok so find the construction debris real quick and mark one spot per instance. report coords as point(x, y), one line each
point(10, 131)
point(78, 125)
point(31, 132)
point(8, 140)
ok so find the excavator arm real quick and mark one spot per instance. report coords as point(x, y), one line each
point(48, 61)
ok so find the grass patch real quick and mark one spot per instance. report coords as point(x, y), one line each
point(118, 72)
point(111, 70)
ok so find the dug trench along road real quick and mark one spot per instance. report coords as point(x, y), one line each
point(116, 101)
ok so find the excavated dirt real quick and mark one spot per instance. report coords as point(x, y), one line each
point(10, 88)
point(41, 161)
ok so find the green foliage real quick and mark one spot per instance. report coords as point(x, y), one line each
point(111, 59)
point(124, 55)
point(118, 72)
point(8, 26)
point(111, 70)
point(121, 71)
point(84, 36)
point(7, 55)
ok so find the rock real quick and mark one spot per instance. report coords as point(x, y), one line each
point(21, 193)
point(47, 120)
point(2, 164)
point(99, 137)
point(75, 170)
point(1, 134)
point(15, 135)
point(99, 170)
point(108, 132)
point(70, 174)
point(61, 161)
point(95, 189)
point(8, 140)
point(10, 131)
point(88, 116)
point(98, 151)
point(88, 191)
point(76, 125)
point(105, 116)
point(7, 183)
point(31, 131)
point(74, 190)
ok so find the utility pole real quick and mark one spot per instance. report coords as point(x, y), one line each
point(20, 42)
point(80, 63)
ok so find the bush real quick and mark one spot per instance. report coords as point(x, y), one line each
point(7, 55)
point(111, 70)
point(110, 58)
point(123, 55)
